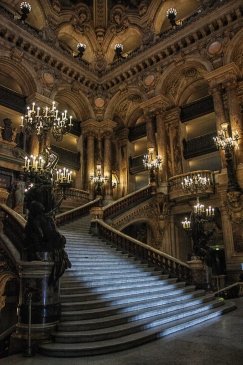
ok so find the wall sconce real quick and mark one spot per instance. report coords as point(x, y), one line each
point(118, 50)
point(171, 15)
point(25, 9)
point(81, 47)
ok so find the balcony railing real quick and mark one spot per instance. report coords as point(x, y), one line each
point(127, 202)
point(199, 146)
point(175, 187)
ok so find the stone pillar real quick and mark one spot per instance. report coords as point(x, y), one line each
point(174, 157)
point(79, 180)
point(107, 164)
point(123, 162)
point(162, 148)
point(151, 143)
point(90, 157)
point(235, 116)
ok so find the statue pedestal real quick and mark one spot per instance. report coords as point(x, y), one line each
point(45, 304)
point(198, 273)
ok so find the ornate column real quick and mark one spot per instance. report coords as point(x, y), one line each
point(90, 156)
point(89, 130)
point(123, 161)
point(235, 115)
point(162, 146)
point(174, 152)
point(151, 143)
point(107, 163)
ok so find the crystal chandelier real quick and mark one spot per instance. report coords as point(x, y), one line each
point(42, 120)
point(195, 182)
point(224, 141)
point(151, 163)
point(25, 8)
point(171, 15)
point(98, 177)
point(186, 224)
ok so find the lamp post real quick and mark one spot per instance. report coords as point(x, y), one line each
point(152, 164)
point(227, 142)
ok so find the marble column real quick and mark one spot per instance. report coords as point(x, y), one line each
point(173, 130)
point(90, 156)
point(107, 164)
point(235, 116)
point(161, 145)
point(151, 143)
point(216, 92)
point(123, 161)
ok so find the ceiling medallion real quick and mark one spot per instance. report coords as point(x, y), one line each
point(215, 48)
point(99, 102)
point(149, 80)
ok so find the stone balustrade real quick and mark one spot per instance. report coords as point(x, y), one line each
point(176, 191)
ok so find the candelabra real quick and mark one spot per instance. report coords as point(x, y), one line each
point(195, 182)
point(99, 180)
point(118, 50)
point(63, 180)
point(152, 164)
point(81, 47)
point(227, 142)
point(195, 225)
point(171, 15)
point(25, 9)
point(41, 121)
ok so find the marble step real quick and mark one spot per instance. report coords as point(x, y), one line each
point(135, 302)
point(131, 292)
point(117, 344)
point(114, 285)
point(141, 309)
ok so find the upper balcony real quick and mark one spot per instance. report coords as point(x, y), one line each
point(176, 191)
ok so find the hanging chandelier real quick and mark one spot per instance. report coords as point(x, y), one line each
point(40, 121)
point(224, 141)
point(151, 163)
point(98, 178)
point(195, 182)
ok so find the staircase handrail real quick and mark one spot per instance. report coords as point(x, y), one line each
point(169, 264)
point(13, 229)
point(74, 192)
point(74, 213)
point(124, 203)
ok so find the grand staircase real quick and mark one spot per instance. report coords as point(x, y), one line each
point(111, 301)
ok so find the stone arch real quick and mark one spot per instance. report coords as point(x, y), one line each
point(178, 77)
point(234, 50)
point(21, 72)
point(76, 100)
point(124, 103)
point(148, 221)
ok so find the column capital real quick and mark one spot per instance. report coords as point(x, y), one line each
point(223, 73)
point(89, 126)
point(173, 115)
point(40, 99)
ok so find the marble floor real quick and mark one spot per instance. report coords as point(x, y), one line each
point(216, 342)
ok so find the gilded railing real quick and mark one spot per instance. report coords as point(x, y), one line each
point(72, 214)
point(168, 264)
point(127, 202)
point(175, 184)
